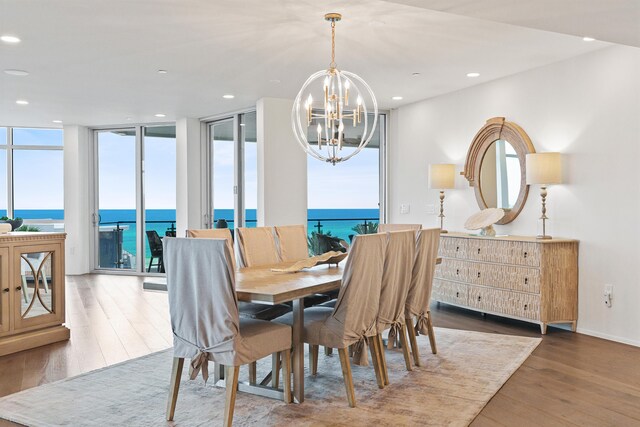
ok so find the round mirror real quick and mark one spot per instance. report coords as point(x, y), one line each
point(500, 175)
point(495, 166)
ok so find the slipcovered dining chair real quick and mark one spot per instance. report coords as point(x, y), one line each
point(256, 246)
point(383, 228)
point(215, 233)
point(292, 242)
point(353, 320)
point(419, 296)
point(396, 279)
point(247, 309)
point(205, 321)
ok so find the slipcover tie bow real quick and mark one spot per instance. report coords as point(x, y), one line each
point(422, 324)
point(360, 352)
point(394, 332)
point(200, 362)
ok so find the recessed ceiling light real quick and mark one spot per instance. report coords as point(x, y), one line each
point(228, 96)
point(161, 115)
point(10, 39)
point(396, 98)
point(473, 74)
point(22, 102)
point(588, 39)
point(415, 74)
point(56, 121)
point(274, 81)
point(16, 72)
point(128, 118)
point(162, 71)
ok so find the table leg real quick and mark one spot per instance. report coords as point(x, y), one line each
point(298, 350)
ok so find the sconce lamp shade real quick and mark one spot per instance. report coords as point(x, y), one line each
point(544, 168)
point(442, 176)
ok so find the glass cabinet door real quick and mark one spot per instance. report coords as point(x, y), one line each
point(37, 296)
point(5, 290)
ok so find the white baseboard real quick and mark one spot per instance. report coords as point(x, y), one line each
point(608, 337)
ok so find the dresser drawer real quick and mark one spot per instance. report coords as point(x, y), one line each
point(504, 276)
point(451, 292)
point(504, 252)
point(452, 269)
point(453, 247)
point(505, 302)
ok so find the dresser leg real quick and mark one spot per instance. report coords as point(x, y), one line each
point(543, 328)
point(574, 325)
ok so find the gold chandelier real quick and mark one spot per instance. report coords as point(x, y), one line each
point(321, 111)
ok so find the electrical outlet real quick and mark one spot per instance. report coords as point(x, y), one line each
point(608, 295)
point(431, 209)
point(404, 208)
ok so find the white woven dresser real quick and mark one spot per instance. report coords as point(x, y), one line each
point(518, 277)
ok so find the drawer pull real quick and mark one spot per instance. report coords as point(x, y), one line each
point(526, 254)
point(479, 297)
point(457, 271)
point(526, 280)
point(457, 294)
point(525, 307)
point(478, 274)
point(5, 290)
point(478, 251)
point(19, 288)
point(457, 248)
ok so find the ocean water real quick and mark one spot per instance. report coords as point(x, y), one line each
point(338, 222)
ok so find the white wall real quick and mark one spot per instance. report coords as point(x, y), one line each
point(587, 107)
point(77, 205)
point(282, 166)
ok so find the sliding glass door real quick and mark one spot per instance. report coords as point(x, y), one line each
point(135, 196)
point(115, 214)
point(232, 168)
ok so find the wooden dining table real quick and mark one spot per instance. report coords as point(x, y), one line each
point(261, 285)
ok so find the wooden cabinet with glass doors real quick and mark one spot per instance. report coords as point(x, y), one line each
point(32, 286)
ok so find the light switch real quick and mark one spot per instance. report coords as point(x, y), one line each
point(404, 208)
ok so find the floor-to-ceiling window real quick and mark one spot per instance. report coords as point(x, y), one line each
point(31, 177)
point(135, 196)
point(233, 173)
point(346, 199)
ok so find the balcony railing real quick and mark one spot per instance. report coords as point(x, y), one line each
point(118, 238)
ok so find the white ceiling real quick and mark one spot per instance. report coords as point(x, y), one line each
point(95, 62)
point(615, 21)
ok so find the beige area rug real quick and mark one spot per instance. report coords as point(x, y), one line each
point(450, 390)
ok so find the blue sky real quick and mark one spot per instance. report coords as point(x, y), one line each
point(38, 174)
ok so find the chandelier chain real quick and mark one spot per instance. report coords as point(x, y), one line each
point(333, 45)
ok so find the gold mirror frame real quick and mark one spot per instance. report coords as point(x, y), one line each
point(498, 128)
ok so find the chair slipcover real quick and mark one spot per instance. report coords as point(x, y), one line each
point(354, 317)
point(396, 279)
point(204, 309)
point(422, 277)
point(256, 246)
point(292, 240)
point(215, 233)
point(382, 228)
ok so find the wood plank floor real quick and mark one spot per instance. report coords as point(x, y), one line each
point(569, 380)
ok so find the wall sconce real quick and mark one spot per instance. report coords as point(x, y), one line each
point(544, 169)
point(442, 177)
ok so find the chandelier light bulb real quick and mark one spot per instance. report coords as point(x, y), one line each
point(333, 88)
